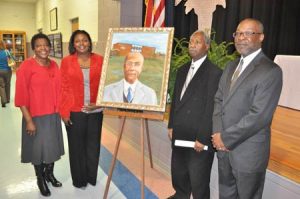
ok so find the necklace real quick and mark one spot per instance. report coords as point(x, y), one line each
point(84, 61)
point(84, 67)
point(46, 63)
point(42, 62)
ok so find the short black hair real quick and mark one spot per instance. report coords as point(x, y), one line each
point(72, 50)
point(39, 36)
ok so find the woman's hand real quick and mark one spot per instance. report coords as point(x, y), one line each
point(90, 107)
point(67, 121)
point(30, 127)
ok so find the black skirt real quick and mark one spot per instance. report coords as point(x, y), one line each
point(47, 145)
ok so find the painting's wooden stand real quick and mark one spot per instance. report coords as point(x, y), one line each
point(144, 116)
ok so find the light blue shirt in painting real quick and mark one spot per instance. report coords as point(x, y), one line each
point(142, 94)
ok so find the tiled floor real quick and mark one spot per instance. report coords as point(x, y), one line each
point(159, 183)
point(18, 180)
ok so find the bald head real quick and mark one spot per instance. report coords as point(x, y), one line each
point(259, 25)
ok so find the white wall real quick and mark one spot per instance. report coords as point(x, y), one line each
point(95, 16)
point(109, 17)
point(39, 13)
point(18, 16)
point(86, 11)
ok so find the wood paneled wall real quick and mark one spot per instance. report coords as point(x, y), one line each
point(285, 143)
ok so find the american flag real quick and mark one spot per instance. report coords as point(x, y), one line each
point(155, 13)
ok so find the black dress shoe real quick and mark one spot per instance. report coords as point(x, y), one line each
point(92, 182)
point(80, 186)
point(3, 105)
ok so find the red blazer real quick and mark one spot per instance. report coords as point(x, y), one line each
point(72, 90)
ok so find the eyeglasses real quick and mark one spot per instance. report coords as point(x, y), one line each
point(245, 34)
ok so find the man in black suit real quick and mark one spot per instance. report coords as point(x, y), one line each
point(191, 120)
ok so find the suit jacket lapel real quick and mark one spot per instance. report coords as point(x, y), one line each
point(193, 83)
point(228, 80)
point(181, 77)
point(139, 94)
point(118, 91)
point(242, 77)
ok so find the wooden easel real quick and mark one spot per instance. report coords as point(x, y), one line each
point(144, 116)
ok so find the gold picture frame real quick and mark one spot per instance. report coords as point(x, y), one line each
point(53, 19)
point(155, 46)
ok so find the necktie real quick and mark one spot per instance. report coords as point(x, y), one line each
point(237, 72)
point(129, 95)
point(187, 81)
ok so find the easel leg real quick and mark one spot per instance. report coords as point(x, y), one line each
point(142, 158)
point(149, 144)
point(112, 166)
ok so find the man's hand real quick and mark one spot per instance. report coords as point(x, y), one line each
point(170, 133)
point(217, 142)
point(198, 146)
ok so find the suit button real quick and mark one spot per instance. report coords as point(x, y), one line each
point(188, 111)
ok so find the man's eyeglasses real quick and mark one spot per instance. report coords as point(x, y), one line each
point(245, 34)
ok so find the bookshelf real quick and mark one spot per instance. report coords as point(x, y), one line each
point(16, 43)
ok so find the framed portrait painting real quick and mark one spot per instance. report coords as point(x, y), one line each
point(136, 68)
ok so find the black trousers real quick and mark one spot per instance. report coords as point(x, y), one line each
point(191, 173)
point(6, 75)
point(2, 91)
point(84, 137)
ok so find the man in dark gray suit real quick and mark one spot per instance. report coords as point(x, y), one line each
point(191, 120)
point(246, 99)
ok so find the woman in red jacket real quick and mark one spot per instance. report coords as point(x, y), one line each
point(80, 72)
point(37, 95)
